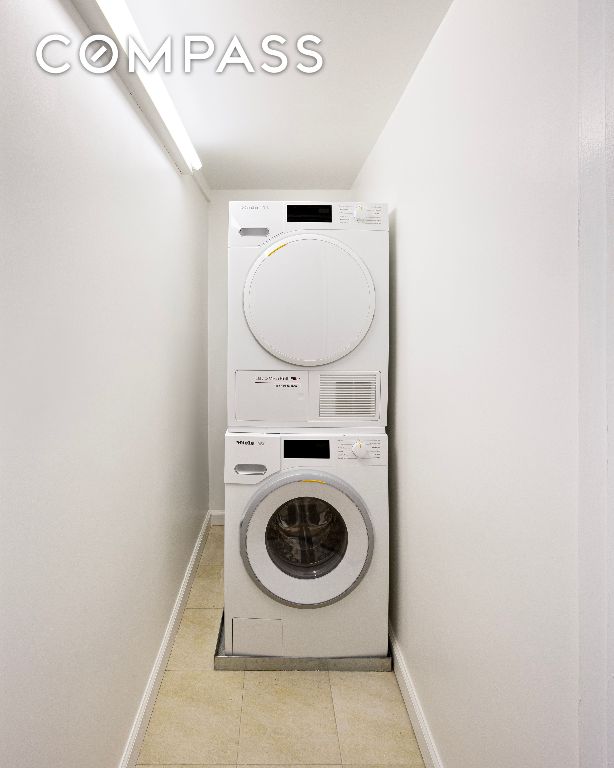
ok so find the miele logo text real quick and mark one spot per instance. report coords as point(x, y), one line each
point(245, 442)
point(99, 54)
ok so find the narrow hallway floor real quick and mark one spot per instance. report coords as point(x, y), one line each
point(207, 718)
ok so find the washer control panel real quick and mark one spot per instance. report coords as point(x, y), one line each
point(252, 456)
point(370, 449)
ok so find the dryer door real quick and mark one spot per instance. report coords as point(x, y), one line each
point(306, 539)
point(309, 300)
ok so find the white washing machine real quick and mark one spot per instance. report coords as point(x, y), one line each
point(307, 315)
point(306, 544)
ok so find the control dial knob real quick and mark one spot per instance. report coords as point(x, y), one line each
point(360, 450)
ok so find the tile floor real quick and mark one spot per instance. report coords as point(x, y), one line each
point(204, 718)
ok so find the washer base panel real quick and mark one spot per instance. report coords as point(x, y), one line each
point(231, 663)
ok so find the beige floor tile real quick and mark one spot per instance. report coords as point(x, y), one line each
point(207, 588)
point(372, 721)
point(288, 718)
point(213, 553)
point(195, 642)
point(195, 719)
point(192, 765)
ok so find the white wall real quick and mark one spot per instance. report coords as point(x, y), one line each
point(104, 463)
point(595, 534)
point(218, 309)
point(479, 163)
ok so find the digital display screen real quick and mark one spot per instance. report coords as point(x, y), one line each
point(310, 213)
point(306, 449)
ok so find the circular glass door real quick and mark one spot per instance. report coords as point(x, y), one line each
point(309, 300)
point(306, 538)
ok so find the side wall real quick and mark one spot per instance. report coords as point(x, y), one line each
point(218, 313)
point(479, 163)
point(104, 464)
point(595, 534)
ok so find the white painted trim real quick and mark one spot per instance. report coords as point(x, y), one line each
point(217, 517)
point(143, 713)
point(427, 745)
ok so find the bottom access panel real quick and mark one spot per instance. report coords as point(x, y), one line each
point(258, 637)
point(269, 663)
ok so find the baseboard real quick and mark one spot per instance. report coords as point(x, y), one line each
point(217, 516)
point(430, 755)
point(139, 726)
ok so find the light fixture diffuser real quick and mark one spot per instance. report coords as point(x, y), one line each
point(122, 24)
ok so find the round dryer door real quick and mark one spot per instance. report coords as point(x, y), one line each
point(306, 539)
point(309, 300)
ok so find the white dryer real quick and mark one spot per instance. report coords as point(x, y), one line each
point(307, 315)
point(306, 544)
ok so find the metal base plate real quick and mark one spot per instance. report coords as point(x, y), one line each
point(281, 663)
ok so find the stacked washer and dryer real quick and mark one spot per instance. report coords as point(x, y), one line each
point(306, 461)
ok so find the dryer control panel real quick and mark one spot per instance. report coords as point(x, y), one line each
point(361, 213)
point(256, 222)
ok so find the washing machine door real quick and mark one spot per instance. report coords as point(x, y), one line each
point(306, 538)
point(309, 299)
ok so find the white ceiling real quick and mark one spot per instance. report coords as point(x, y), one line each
point(291, 130)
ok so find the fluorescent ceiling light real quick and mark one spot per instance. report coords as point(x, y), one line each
point(121, 21)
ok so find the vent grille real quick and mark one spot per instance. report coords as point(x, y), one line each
point(348, 395)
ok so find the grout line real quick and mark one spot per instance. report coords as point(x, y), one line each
point(332, 701)
point(240, 719)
